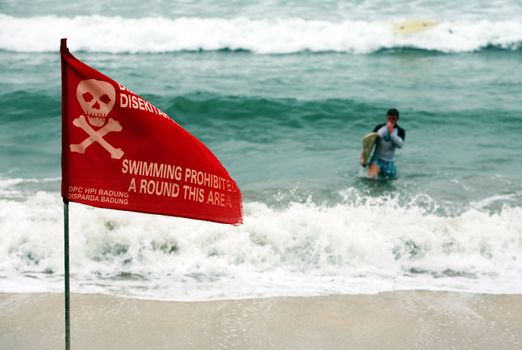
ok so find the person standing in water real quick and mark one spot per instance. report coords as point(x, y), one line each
point(391, 137)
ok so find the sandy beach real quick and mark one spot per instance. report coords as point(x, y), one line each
point(397, 320)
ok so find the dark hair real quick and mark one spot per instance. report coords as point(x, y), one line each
point(393, 113)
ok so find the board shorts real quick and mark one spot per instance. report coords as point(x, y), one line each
point(386, 169)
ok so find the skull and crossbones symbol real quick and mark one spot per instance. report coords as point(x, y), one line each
point(96, 98)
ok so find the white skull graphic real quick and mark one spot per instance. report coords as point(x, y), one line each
point(97, 99)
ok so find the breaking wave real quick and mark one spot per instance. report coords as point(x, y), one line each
point(368, 245)
point(262, 36)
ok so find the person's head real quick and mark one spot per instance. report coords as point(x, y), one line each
point(392, 115)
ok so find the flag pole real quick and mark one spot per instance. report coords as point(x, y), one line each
point(66, 275)
point(64, 49)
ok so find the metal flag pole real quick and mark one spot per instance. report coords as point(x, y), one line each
point(66, 275)
point(63, 48)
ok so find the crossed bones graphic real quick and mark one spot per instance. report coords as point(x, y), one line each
point(97, 136)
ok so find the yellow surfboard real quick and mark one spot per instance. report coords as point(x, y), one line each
point(413, 26)
point(368, 142)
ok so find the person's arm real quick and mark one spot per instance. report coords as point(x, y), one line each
point(381, 130)
point(396, 139)
point(383, 133)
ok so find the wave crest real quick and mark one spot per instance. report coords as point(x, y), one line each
point(264, 36)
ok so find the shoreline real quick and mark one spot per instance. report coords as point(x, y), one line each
point(391, 320)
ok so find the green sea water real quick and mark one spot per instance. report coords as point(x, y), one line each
point(280, 122)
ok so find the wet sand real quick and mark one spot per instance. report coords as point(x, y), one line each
point(396, 320)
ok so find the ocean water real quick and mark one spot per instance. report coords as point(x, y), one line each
point(282, 92)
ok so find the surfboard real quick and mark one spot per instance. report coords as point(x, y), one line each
point(368, 142)
point(413, 26)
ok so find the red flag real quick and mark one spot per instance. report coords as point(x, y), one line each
point(121, 152)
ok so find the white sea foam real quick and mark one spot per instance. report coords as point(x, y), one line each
point(264, 36)
point(368, 246)
point(9, 186)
